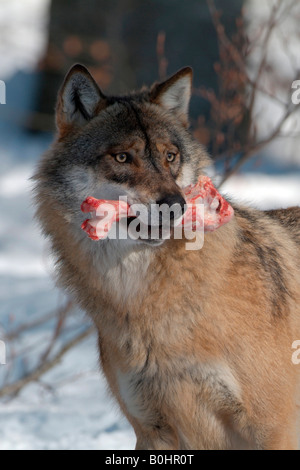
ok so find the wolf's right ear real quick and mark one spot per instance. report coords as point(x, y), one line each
point(79, 100)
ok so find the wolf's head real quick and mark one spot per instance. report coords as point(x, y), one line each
point(136, 145)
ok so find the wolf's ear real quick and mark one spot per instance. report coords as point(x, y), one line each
point(174, 94)
point(79, 100)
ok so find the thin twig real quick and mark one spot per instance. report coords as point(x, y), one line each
point(35, 375)
point(38, 322)
point(59, 326)
point(248, 153)
point(161, 56)
point(223, 38)
point(262, 65)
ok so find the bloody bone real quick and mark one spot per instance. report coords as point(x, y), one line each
point(106, 214)
point(217, 211)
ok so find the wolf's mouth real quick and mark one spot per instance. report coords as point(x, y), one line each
point(145, 232)
point(138, 226)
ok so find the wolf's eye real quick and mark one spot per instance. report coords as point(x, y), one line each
point(171, 157)
point(122, 157)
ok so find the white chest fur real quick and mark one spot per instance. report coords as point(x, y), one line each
point(216, 377)
point(128, 393)
point(122, 266)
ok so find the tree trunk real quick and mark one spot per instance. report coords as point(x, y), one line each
point(117, 41)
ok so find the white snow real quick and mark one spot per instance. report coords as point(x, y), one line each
point(264, 191)
point(74, 415)
point(23, 34)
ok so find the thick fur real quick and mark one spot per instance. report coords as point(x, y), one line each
point(196, 346)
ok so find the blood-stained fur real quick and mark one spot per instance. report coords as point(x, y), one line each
point(196, 346)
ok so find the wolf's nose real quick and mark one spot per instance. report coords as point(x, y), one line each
point(176, 202)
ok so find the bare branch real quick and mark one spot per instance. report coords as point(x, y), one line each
point(38, 322)
point(230, 130)
point(161, 57)
point(35, 375)
point(265, 46)
point(59, 326)
point(223, 38)
point(248, 153)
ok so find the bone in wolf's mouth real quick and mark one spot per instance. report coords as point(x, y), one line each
point(217, 212)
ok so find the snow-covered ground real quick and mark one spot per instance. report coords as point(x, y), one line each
point(263, 191)
point(70, 408)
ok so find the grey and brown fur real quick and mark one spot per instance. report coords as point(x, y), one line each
point(196, 346)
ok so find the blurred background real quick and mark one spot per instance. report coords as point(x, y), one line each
point(245, 58)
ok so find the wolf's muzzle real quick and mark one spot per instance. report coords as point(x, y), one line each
point(176, 202)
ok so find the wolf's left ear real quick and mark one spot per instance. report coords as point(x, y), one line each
point(79, 100)
point(174, 94)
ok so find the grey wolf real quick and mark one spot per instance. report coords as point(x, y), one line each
point(195, 345)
